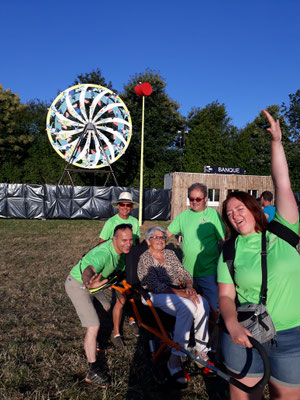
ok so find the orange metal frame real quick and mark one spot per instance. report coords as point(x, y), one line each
point(161, 333)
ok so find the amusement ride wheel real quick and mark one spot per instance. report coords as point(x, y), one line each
point(89, 126)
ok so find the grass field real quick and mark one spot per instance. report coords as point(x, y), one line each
point(41, 353)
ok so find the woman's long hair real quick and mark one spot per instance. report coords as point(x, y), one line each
point(251, 203)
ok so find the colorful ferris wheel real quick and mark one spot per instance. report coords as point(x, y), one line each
point(89, 126)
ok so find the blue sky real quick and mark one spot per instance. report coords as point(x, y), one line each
point(245, 54)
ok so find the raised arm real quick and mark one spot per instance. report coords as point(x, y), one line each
point(285, 200)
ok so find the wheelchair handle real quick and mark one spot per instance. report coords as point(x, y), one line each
point(248, 389)
point(264, 380)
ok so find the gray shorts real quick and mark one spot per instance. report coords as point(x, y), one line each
point(83, 301)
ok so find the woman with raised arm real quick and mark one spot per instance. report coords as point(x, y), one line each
point(244, 218)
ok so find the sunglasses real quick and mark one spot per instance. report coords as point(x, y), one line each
point(128, 205)
point(197, 199)
point(158, 238)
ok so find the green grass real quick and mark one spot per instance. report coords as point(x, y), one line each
point(41, 340)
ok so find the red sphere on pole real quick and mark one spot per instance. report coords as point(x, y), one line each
point(144, 89)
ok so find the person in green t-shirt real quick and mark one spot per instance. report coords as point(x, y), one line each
point(243, 216)
point(201, 228)
point(124, 204)
point(92, 273)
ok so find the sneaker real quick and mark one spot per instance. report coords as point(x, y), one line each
point(134, 328)
point(98, 378)
point(177, 374)
point(117, 341)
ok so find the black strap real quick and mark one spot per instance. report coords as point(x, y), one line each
point(229, 255)
point(264, 282)
point(284, 233)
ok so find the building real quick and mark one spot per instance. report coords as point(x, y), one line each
point(218, 185)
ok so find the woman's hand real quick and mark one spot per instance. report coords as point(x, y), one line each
point(274, 129)
point(286, 205)
point(194, 298)
point(190, 290)
point(239, 334)
point(188, 293)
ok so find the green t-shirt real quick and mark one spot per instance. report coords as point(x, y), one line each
point(103, 258)
point(201, 232)
point(109, 226)
point(283, 263)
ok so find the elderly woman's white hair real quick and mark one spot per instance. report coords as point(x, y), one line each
point(151, 230)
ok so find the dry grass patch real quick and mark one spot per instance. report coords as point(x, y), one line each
point(41, 354)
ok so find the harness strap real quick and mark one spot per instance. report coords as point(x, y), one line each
point(264, 271)
point(284, 233)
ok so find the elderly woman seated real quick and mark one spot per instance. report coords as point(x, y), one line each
point(171, 289)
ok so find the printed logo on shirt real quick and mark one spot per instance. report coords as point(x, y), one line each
point(271, 239)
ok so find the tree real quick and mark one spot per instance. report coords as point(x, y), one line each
point(14, 137)
point(95, 77)
point(209, 141)
point(252, 145)
point(162, 123)
point(291, 112)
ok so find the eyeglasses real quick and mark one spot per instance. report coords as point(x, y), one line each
point(128, 205)
point(197, 199)
point(158, 237)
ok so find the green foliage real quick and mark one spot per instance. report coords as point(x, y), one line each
point(162, 122)
point(171, 143)
point(95, 77)
point(253, 145)
point(209, 139)
point(10, 172)
point(292, 114)
point(14, 138)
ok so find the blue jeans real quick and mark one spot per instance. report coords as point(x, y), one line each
point(185, 312)
point(207, 285)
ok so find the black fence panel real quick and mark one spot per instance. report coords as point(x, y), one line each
point(35, 206)
point(79, 202)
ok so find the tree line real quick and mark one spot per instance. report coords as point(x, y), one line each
point(172, 142)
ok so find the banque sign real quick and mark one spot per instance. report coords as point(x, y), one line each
point(224, 170)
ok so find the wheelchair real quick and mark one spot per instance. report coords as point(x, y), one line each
point(159, 325)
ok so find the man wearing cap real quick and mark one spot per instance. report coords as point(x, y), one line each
point(124, 204)
point(88, 279)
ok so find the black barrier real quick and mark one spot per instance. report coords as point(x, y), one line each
point(79, 202)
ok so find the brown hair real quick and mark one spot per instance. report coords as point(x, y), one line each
point(250, 202)
point(266, 195)
point(198, 186)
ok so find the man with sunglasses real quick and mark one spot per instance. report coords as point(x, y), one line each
point(124, 204)
point(201, 228)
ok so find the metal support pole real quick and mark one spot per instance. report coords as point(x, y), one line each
point(142, 167)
